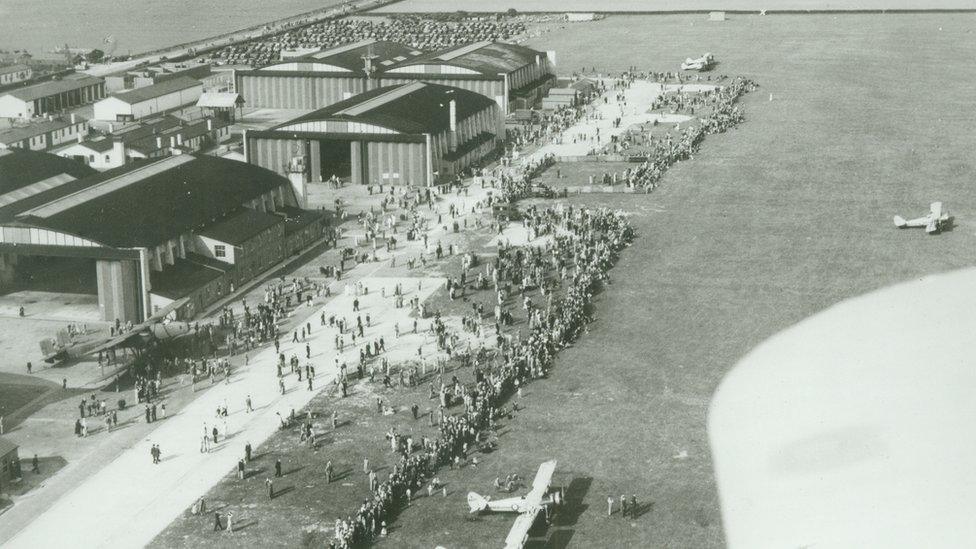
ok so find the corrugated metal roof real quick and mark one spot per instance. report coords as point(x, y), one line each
point(54, 87)
point(415, 108)
point(241, 226)
point(484, 57)
point(35, 188)
point(220, 100)
point(107, 187)
point(19, 168)
point(158, 206)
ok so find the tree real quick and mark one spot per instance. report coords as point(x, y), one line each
point(512, 12)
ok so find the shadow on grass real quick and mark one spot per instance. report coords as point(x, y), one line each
point(253, 473)
point(560, 531)
point(293, 470)
point(341, 475)
point(278, 493)
point(242, 527)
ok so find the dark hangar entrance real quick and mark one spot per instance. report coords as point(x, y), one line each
point(335, 159)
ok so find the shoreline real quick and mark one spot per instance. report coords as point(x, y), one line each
point(182, 51)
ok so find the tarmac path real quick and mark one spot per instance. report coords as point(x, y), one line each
point(142, 498)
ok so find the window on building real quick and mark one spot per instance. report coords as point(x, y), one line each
point(220, 250)
point(91, 158)
point(107, 158)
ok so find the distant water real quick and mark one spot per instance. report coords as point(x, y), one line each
point(137, 25)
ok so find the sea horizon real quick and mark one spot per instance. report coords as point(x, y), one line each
point(136, 25)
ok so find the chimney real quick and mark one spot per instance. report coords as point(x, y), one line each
point(172, 141)
point(179, 139)
point(297, 170)
point(159, 142)
point(111, 128)
point(210, 124)
point(72, 118)
point(118, 149)
point(81, 138)
point(452, 136)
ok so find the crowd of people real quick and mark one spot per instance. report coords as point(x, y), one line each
point(418, 32)
point(568, 270)
point(723, 113)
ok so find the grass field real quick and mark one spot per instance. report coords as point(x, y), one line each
point(20, 396)
point(778, 219)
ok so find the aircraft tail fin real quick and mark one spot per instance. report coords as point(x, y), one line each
point(477, 502)
point(900, 222)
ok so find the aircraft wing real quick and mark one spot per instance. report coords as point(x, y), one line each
point(519, 533)
point(541, 483)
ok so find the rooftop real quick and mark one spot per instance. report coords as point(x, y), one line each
point(35, 128)
point(6, 446)
point(350, 56)
point(53, 87)
point(220, 100)
point(297, 219)
point(166, 87)
point(484, 57)
point(240, 226)
point(181, 278)
point(19, 168)
point(414, 108)
point(145, 203)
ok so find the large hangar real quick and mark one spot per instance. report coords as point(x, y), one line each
point(411, 134)
point(513, 76)
point(320, 79)
point(150, 234)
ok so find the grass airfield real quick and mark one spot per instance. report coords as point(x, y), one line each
point(782, 217)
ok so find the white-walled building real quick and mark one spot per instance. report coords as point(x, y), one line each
point(149, 100)
point(42, 134)
point(51, 96)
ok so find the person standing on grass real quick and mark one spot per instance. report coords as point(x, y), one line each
point(240, 469)
point(328, 471)
point(609, 505)
point(623, 505)
point(247, 452)
point(270, 485)
point(277, 468)
point(217, 526)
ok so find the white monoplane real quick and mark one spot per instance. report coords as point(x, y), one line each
point(702, 63)
point(528, 506)
point(937, 220)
